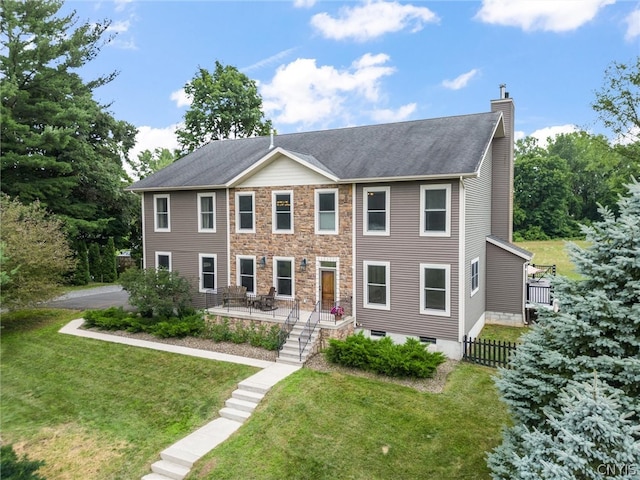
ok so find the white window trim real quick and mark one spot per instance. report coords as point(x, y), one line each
point(365, 216)
point(365, 283)
point(447, 229)
point(475, 261)
point(155, 212)
point(201, 229)
point(253, 212)
point(447, 299)
point(336, 226)
point(273, 210)
point(255, 272)
point(215, 272)
point(293, 276)
point(168, 254)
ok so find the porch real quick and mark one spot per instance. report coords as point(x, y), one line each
point(539, 289)
point(302, 331)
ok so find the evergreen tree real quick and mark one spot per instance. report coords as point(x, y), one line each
point(81, 275)
point(589, 438)
point(109, 268)
point(597, 328)
point(95, 262)
point(58, 144)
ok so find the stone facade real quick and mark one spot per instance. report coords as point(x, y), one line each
point(303, 243)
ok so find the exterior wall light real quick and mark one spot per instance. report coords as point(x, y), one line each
point(263, 262)
point(303, 265)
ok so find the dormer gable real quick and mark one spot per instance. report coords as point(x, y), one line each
point(282, 167)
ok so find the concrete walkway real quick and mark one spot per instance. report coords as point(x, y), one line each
point(177, 460)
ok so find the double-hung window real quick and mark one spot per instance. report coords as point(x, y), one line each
point(282, 212)
point(435, 288)
point(163, 260)
point(475, 275)
point(245, 213)
point(435, 216)
point(327, 211)
point(207, 263)
point(161, 213)
point(376, 210)
point(283, 276)
point(246, 268)
point(206, 212)
point(376, 285)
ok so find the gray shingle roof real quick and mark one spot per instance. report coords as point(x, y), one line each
point(448, 146)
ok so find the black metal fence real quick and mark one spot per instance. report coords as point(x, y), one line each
point(490, 353)
point(336, 311)
point(287, 326)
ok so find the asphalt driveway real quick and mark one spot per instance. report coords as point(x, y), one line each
point(93, 298)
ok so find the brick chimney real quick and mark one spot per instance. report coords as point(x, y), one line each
point(502, 176)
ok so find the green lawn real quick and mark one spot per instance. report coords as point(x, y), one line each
point(332, 426)
point(553, 252)
point(100, 410)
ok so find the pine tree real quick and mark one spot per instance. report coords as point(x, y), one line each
point(598, 327)
point(589, 438)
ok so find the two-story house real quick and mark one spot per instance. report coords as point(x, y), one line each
point(412, 220)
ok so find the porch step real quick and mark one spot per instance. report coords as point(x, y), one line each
point(170, 469)
point(247, 395)
point(242, 405)
point(155, 476)
point(234, 414)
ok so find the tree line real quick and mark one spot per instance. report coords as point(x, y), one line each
point(64, 155)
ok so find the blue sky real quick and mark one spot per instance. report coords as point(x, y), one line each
point(328, 64)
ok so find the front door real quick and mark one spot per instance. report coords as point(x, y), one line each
point(327, 288)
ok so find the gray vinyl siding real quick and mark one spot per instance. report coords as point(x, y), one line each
point(477, 228)
point(184, 241)
point(405, 249)
point(505, 280)
point(502, 199)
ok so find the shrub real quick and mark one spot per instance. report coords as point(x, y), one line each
point(14, 468)
point(384, 357)
point(191, 325)
point(157, 293)
point(114, 318)
point(257, 336)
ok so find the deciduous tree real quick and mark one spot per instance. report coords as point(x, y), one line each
point(224, 104)
point(35, 250)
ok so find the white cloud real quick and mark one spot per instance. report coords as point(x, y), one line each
point(302, 92)
point(149, 138)
point(304, 3)
point(633, 25)
point(388, 115)
point(543, 134)
point(121, 4)
point(460, 81)
point(372, 20)
point(119, 27)
point(181, 98)
point(546, 15)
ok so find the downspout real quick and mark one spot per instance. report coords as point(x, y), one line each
point(462, 260)
point(353, 257)
point(228, 239)
point(144, 234)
